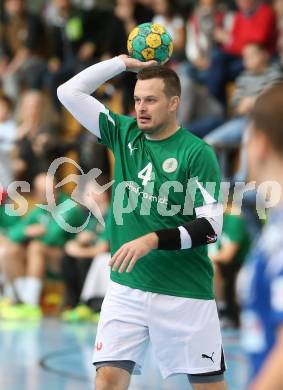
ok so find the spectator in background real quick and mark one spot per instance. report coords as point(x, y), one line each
point(92, 154)
point(258, 75)
point(228, 254)
point(207, 17)
point(6, 222)
point(22, 48)
point(125, 11)
point(260, 283)
point(255, 21)
point(280, 52)
point(199, 111)
point(6, 219)
point(143, 11)
point(79, 254)
point(35, 241)
point(38, 138)
point(128, 15)
point(72, 43)
point(278, 7)
point(165, 14)
point(8, 131)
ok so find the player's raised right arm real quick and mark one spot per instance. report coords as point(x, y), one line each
point(75, 94)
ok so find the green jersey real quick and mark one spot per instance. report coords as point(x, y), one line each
point(6, 220)
point(159, 184)
point(55, 235)
point(234, 230)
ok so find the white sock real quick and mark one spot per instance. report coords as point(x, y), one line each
point(19, 286)
point(30, 290)
point(9, 291)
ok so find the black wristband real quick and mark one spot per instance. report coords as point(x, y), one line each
point(169, 239)
point(201, 232)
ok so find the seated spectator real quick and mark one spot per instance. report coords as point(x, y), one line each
point(8, 130)
point(165, 14)
point(208, 16)
point(36, 241)
point(94, 282)
point(91, 153)
point(199, 111)
point(6, 222)
point(72, 43)
point(22, 48)
point(255, 21)
point(258, 75)
point(143, 11)
point(80, 253)
point(278, 7)
point(125, 19)
point(280, 53)
point(227, 256)
point(7, 219)
point(38, 139)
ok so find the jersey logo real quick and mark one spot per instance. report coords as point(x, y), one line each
point(204, 356)
point(131, 148)
point(98, 346)
point(210, 239)
point(170, 165)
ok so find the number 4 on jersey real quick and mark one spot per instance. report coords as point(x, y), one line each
point(146, 174)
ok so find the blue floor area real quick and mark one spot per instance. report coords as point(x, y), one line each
point(52, 355)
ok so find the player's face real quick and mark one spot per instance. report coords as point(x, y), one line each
point(153, 107)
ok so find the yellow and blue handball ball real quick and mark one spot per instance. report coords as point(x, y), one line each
point(150, 41)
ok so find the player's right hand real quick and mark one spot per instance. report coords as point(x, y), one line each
point(134, 65)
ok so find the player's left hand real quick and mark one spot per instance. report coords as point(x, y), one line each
point(132, 251)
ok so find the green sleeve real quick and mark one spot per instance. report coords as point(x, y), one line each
point(205, 177)
point(234, 228)
point(92, 224)
point(109, 128)
point(113, 127)
point(17, 232)
point(56, 235)
point(7, 221)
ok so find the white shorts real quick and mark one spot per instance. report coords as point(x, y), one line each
point(184, 332)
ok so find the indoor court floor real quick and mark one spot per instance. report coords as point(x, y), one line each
point(52, 355)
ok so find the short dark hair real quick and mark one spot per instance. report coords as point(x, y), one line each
point(267, 115)
point(172, 85)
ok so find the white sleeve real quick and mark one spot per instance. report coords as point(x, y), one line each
point(75, 94)
point(213, 213)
